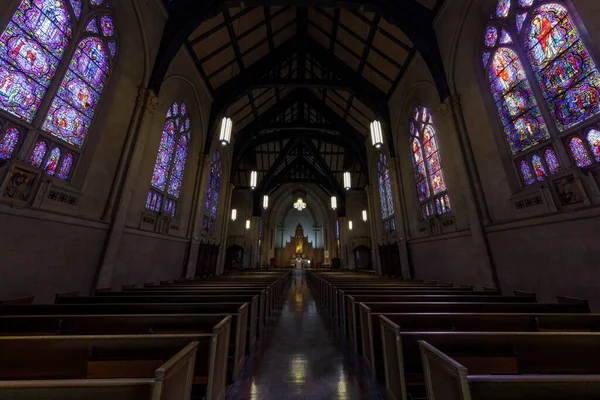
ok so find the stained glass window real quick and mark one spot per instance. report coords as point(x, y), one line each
point(92, 26)
point(65, 167)
point(429, 176)
point(169, 167)
point(107, 25)
point(212, 192)
point(567, 75)
point(9, 142)
point(52, 161)
point(31, 48)
point(385, 194)
point(579, 152)
point(593, 139)
point(38, 154)
point(76, 5)
point(553, 52)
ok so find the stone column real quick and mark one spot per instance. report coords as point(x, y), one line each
point(196, 216)
point(345, 239)
point(124, 185)
point(373, 217)
point(225, 229)
point(401, 214)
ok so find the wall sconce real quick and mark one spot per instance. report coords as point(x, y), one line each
point(253, 179)
point(376, 134)
point(247, 224)
point(364, 215)
point(226, 127)
point(333, 202)
point(350, 226)
point(347, 180)
point(233, 214)
point(265, 202)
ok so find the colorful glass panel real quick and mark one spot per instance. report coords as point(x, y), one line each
point(593, 139)
point(153, 201)
point(579, 152)
point(503, 8)
point(526, 3)
point(212, 192)
point(521, 21)
point(526, 173)
point(66, 166)
point(491, 36)
point(107, 25)
point(96, 3)
point(76, 5)
point(385, 188)
point(538, 167)
point(505, 38)
point(170, 207)
point(164, 157)
point(38, 154)
point(52, 161)
point(485, 58)
point(568, 76)
point(92, 26)
point(31, 48)
point(552, 161)
point(112, 47)
point(178, 166)
point(9, 142)
point(73, 108)
point(519, 112)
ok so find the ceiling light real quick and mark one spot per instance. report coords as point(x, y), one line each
point(233, 214)
point(265, 202)
point(225, 135)
point(333, 202)
point(299, 204)
point(364, 215)
point(347, 180)
point(253, 179)
point(376, 134)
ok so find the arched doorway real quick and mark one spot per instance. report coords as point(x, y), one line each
point(234, 258)
point(362, 258)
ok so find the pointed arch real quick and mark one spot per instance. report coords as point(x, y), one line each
point(169, 167)
point(427, 164)
point(212, 193)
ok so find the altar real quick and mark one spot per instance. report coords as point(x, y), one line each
point(298, 251)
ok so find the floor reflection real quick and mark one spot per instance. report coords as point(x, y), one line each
point(302, 360)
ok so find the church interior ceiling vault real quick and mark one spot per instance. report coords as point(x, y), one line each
point(301, 80)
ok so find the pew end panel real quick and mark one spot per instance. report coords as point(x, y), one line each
point(445, 378)
point(395, 384)
point(218, 360)
point(175, 377)
point(366, 330)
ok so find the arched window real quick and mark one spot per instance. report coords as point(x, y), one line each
point(427, 163)
point(169, 167)
point(212, 193)
point(537, 40)
point(41, 38)
point(385, 194)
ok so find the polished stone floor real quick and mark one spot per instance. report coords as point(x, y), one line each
point(301, 359)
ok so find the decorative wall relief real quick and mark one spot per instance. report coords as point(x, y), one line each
point(20, 184)
point(570, 192)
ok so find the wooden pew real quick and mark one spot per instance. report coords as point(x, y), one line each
point(239, 312)
point(404, 362)
point(171, 381)
point(366, 330)
point(90, 357)
point(482, 377)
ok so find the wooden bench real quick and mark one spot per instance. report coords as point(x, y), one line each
point(239, 312)
point(534, 349)
point(38, 358)
point(483, 377)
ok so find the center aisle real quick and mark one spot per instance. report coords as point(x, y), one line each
point(302, 360)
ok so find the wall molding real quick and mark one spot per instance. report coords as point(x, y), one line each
point(40, 215)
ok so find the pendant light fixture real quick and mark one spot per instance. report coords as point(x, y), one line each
point(265, 202)
point(347, 180)
point(253, 179)
point(333, 202)
point(226, 127)
point(376, 134)
point(233, 214)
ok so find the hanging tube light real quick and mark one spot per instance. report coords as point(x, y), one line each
point(376, 134)
point(226, 127)
point(233, 214)
point(265, 202)
point(364, 215)
point(253, 179)
point(350, 225)
point(333, 202)
point(347, 180)
point(247, 224)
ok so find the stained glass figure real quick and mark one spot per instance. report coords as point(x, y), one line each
point(52, 161)
point(212, 192)
point(96, 3)
point(526, 3)
point(593, 139)
point(171, 160)
point(579, 152)
point(519, 112)
point(107, 25)
point(427, 165)
point(92, 26)
point(31, 48)
point(38, 154)
point(385, 193)
point(76, 5)
point(153, 201)
point(503, 8)
point(538, 167)
point(65, 167)
point(552, 161)
point(567, 75)
point(526, 173)
point(73, 108)
point(9, 142)
point(491, 36)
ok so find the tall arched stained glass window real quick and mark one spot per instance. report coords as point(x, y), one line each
point(427, 163)
point(538, 39)
point(9, 139)
point(167, 177)
point(385, 194)
point(212, 193)
point(43, 37)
